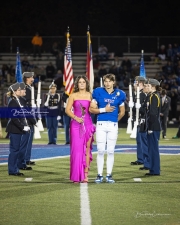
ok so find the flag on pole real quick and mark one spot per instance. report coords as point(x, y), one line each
point(89, 63)
point(68, 77)
point(19, 78)
point(142, 68)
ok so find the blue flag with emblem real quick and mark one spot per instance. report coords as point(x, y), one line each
point(142, 68)
point(19, 78)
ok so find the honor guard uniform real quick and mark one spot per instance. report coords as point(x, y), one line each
point(165, 105)
point(28, 78)
point(140, 81)
point(53, 104)
point(31, 121)
point(143, 127)
point(154, 127)
point(16, 127)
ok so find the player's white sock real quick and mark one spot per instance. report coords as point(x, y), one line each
point(100, 163)
point(110, 162)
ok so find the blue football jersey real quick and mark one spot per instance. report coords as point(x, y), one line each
point(102, 97)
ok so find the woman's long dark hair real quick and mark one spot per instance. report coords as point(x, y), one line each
point(76, 89)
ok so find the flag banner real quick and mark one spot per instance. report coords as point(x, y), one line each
point(142, 68)
point(19, 78)
point(68, 77)
point(89, 63)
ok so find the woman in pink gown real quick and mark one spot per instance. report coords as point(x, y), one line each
point(81, 130)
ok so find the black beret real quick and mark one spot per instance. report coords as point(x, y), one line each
point(14, 87)
point(139, 78)
point(28, 74)
point(154, 82)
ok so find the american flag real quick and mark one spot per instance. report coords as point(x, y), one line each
point(89, 64)
point(68, 77)
point(18, 68)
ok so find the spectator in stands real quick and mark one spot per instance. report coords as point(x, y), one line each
point(50, 70)
point(165, 106)
point(60, 61)
point(161, 54)
point(176, 53)
point(103, 52)
point(173, 94)
point(42, 72)
point(37, 45)
point(114, 70)
point(135, 71)
point(59, 79)
point(177, 69)
point(4, 71)
point(117, 61)
point(55, 49)
point(25, 64)
point(168, 68)
point(11, 74)
point(170, 53)
point(126, 64)
point(102, 71)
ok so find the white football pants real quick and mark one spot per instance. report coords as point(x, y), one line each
point(106, 133)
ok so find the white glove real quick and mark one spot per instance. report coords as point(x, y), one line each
point(138, 106)
point(142, 121)
point(131, 104)
point(58, 117)
point(46, 104)
point(129, 119)
point(38, 101)
point(150, 131)
point(26, 128)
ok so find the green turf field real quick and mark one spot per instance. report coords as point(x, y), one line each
point(50, 198)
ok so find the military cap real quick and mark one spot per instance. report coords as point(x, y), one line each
point(14, 87)
point(139, 78)
point(22, 86)
point(154, 82)
point(28, 74)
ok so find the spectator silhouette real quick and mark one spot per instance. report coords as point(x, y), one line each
point(103, 52)
point(50, 70)
point(60, 61)
point(37, 45)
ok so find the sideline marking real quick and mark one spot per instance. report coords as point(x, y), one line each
point(137, 179)
point(85, 206)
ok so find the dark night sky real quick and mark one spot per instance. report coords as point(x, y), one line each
point(105, 17)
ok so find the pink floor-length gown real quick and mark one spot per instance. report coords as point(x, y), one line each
point(79, 136)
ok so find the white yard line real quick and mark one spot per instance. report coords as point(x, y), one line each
point(85, 206)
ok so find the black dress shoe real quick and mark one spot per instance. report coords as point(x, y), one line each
point(67, 143)
point(152, 174)
point(54, 143)
point(50, 143)
point(144, 168)
point(26, 168)
point(16, 174)
point(30, 163)
point(136, 163)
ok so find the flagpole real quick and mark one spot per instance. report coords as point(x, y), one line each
point(89, 63)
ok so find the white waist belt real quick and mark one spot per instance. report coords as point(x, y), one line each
point(53, 107)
